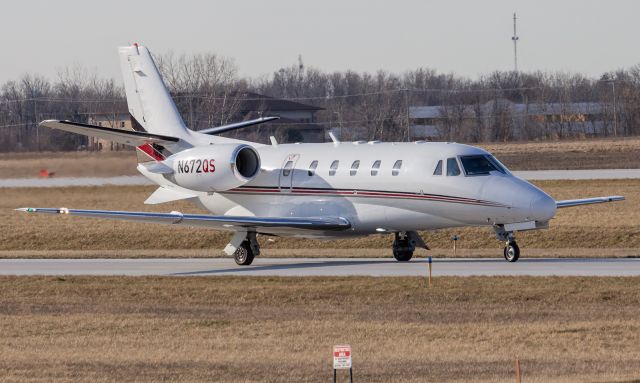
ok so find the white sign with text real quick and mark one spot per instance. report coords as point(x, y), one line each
point(342, 357)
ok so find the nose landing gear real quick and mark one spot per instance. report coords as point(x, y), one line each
point(511, 250)
point(402, 248)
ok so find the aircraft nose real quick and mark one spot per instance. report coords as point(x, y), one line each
point(543, 207)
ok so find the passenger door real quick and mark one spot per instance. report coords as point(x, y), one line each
point(285, 179)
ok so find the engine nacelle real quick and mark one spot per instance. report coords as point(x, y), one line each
point(215, 168)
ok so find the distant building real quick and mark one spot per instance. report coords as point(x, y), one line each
point(290, 110)
point(425, 122)
point(108, 120)
point(581, 118)
point(563, 119)
point(297, 121)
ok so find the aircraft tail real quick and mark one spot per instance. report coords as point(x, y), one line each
point(150, 104)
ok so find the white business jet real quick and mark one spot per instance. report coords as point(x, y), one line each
point(316, 190)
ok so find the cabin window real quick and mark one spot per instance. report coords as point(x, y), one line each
point(452, 167)
point(312, 168)
point(334, 167)
point(375, 168)
point(354, 168)
point(396, 168)
point(438, 171)
point(286, 171)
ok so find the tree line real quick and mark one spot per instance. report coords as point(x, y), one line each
point(500, 106)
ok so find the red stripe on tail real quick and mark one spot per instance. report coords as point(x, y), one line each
point(149, 150)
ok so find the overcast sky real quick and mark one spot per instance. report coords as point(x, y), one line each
point(466, 37)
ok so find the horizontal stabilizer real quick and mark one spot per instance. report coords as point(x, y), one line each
point(232, 223)
point(162, 195)
point(125, 137)
point(237, 125)
point(157, 168)
point(588, 201)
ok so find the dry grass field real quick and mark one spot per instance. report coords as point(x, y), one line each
point(585, 154)
point(611, 229)
point(68, 164)
point(276, 329)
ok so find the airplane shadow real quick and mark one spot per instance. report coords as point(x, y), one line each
point(290, 266)
point(529, 260)
point(390, 263)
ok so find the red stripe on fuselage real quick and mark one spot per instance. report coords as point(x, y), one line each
point(367, 193)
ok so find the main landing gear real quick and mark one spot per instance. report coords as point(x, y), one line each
point(405, 243)
point(243, 254)
point(511, 250)
point(244, 247)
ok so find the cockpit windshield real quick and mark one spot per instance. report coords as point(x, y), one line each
point(480, 165)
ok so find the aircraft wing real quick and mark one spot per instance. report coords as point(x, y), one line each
point(234, 223)
point(121, 136)
point(587, 201)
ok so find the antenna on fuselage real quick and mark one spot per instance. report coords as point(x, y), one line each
point(335, 140)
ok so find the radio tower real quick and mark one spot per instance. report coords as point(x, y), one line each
point(515, 39)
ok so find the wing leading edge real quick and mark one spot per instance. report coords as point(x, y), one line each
point(210, 221)
point(588, 201)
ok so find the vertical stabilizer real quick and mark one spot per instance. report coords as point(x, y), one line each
point(148, 99)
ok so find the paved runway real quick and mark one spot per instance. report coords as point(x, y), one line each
point(532, 175)
point(323, 267)
point(55, 182)
point(595, 174)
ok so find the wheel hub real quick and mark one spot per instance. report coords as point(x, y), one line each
point(241, 255)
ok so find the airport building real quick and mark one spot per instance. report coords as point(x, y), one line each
point(521, 121)
point(108, 120)
point(297, 121)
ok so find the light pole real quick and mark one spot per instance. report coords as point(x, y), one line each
point(515, 39)
point(615, 114)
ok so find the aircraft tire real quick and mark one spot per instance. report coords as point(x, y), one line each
point(243, 254)
point(402, 255)
point(511, 252)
